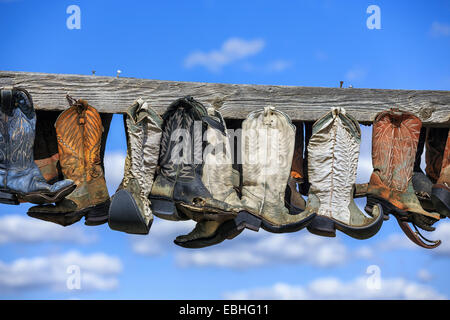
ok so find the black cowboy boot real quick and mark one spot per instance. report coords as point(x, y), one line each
point(421, 183)
point(178, 192)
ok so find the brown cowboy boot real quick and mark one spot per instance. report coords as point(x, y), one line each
point(394, 143)
point(79, 130)
point(440, 194)
point(46, 154)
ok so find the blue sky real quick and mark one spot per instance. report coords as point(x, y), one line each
point(308, 43)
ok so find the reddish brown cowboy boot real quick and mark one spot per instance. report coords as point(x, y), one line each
point(394, 143)
point(440, 194)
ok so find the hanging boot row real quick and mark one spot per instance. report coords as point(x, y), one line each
point(187, 165)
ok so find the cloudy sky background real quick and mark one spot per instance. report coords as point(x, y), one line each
point(310, 43)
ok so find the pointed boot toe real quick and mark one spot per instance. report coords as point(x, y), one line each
point(208, 233)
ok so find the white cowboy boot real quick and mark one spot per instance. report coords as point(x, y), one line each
point(333, 152)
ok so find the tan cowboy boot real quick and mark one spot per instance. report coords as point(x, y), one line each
point(440, 194)
point(218, 179)
point(130, 207)
point(394, 143)
point(267, 151)
point(333, 152)
point(79, 131)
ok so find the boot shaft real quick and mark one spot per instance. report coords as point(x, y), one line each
point(333, 152)
point(218, 163)
point(444, 174)
point(297, 160)
point(80, 135)
point(394, 144)
point(436, 147)
point(17, 129)
point(182, 140)
point(267, 151)
point(143, 131)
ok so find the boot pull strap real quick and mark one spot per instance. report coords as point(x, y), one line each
point(268, 111)
point(81, 106)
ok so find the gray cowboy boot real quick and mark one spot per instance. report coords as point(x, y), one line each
point(20, 177)
point(218, 179)
point(178, 192)
point(130, 207)
point(267, 151)
point(333, 152)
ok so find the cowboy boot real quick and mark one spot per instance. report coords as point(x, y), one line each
point(179, 176)
point(293, 200)
point(421, 183)
point(218, 179)
point(267, 150)
point(130, 207)
point(394, 143)
point(21, 179)
point(333, 152)
point(46, 154)
point(80, 136)
point(440, 194)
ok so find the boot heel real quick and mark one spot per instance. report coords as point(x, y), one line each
point(164, 209)
point(248, 221)
point(8, 198)
point(441, 200)
point(322, 226)
point(125, 216)
point(97, 215)
point(371, 202)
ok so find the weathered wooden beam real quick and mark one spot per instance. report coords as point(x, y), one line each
point(235, 101)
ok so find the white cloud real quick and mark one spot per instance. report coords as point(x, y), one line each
point(442, 233)
point(364, 169)
point(278, 65)
point(161, 236)
point(440, 29)
point(265, 248)
point(424, 275)
point(398, 241)
point(114, 165)
point(356, 74)
point(23, 229)
point(98, 272)
point(232, 50)
point(333, 288)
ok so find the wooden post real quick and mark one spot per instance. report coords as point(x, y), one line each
point(235, 101)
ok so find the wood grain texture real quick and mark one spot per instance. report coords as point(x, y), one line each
point(235, 101)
